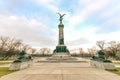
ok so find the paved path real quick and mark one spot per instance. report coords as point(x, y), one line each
point(61, 71)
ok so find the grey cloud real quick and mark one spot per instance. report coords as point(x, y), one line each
point(79, 41)
point(32, 32)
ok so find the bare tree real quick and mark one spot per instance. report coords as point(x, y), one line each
point(33, 50)
point(114, 47)
point(92, 50)
point(100, 44)
point(18, 44)
point(81, 51)
point(45, 51)
point(10, 47)
point(73, 52)
point(14, 47)
point(3, 45)
point(3, 41)
point(26, 47)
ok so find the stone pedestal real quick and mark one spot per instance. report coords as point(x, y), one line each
point(61, 57)
point(23, 61)
point(20, 65)
point(102, 65)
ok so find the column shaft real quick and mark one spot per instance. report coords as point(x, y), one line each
point(61, 34)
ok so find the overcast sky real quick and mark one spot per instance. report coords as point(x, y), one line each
point(36, 21)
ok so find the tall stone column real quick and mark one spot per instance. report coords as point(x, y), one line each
point(61, 34)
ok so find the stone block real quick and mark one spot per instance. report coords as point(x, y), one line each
point(20, 65)
point(102, 65)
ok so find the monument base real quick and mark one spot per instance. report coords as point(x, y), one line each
point(102, 65)
point(61, 49)
point(61, 56)
point(20, 65)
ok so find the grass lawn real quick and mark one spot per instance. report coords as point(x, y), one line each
point(116, 62)
point(2, 63)
point(116, 71)
point(10, 59)
point(5, 71)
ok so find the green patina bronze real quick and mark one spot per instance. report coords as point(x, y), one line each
point(61, 17)
point(100, 57)
point(61, 49)
point(61, 41)
point(23, 56)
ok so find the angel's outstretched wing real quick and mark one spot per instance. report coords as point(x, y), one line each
point(59, 14)
point(63, 15)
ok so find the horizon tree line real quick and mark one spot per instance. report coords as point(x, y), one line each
point(11, 47)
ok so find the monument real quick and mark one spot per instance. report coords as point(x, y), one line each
point(61, 53)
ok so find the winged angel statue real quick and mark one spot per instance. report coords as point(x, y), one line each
point(61, 17)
